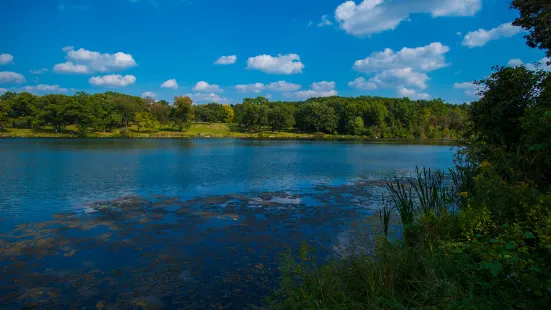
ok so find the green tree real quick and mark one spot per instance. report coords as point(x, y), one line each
point(161, 110)
point(183, 114)
point(4, 113)
point(22, 109)
point(280, 117)
point(145, 120)
point(535, 16)
point(53, 110)
point(229, 114)
point(253, 113)
point(507, 94)
point(356, 126)
point(316, 116)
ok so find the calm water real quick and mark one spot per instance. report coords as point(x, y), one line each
point(181, 223)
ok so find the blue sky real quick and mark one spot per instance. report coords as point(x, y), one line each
point(286, 50)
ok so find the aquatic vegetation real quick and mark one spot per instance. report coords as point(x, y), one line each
point(159, 251)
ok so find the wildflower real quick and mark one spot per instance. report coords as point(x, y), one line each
point(464, 194)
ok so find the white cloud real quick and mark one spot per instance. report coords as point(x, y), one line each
point(207, 97)
point(85, 61)
point(515, 62)
point(541, 64)
point(411, 93)
point(390, 78)
point(319, 89)
point(44, 88)
point(203, 86)
point(149, 94)
point(113, 80)
point(406, 67)
point(481, 36)
point(283, 86)
point(310, 23)
point(226, 60)
point(373, 16)
point(39, 71)
point(250, 88)
point(11, 77)
point(6, 59)
point(459, 33)
point(362, 84)
point(470, 88)
point(280, 86)
point(281, 64)
point(3, 90)
point(170, 84)
point(325, 21)
point(69, 67)
point(425, 58)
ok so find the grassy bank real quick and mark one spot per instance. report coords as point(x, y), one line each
point(197, 130)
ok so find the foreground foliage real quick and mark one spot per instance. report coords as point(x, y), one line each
point(478, 237)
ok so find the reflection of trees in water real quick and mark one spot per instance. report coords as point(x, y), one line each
point(218, 251)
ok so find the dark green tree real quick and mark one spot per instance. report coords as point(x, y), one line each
point(280, 117)
point(535, 16)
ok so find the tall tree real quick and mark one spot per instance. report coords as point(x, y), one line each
point(280, 117)
point(229, 114)
point(183, 114)
point(535, 16)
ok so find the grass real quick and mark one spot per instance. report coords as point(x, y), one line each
point(206, 130)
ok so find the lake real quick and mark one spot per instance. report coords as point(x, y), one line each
point(183, 223)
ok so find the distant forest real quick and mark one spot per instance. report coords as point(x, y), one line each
point(361, 116)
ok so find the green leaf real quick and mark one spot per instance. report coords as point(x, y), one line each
point(529, 235)
point(494, 268)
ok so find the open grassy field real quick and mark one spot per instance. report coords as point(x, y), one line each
point(206, 130)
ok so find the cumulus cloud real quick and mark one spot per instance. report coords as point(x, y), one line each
point(481, 36)
point(170, 84)
point(149, 94)
point(3, 90)
point(425, 58)
point(373, 16)
point(11, 77)
point(226, 60)
point(407, 67)
point(44, 88)
point(69, 67)
point(203, 86)
point(39, 71)
point(362, 84)
point(250, 88)
point(113, 80)
point(283, 86)
point(541, 64)
point(515, 62)
point(207, 97)
point(400, 76)
point(83, 61)
point(6, 59)
point(470, 88)
point(412, 94)
point(281, 64)
point(280, 86)
point(319, 89)
point(325, 21)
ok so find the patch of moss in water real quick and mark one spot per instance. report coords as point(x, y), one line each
point(166, 253)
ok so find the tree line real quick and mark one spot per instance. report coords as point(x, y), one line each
point(361, 116)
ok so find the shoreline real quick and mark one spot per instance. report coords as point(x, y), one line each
point(234, 137)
